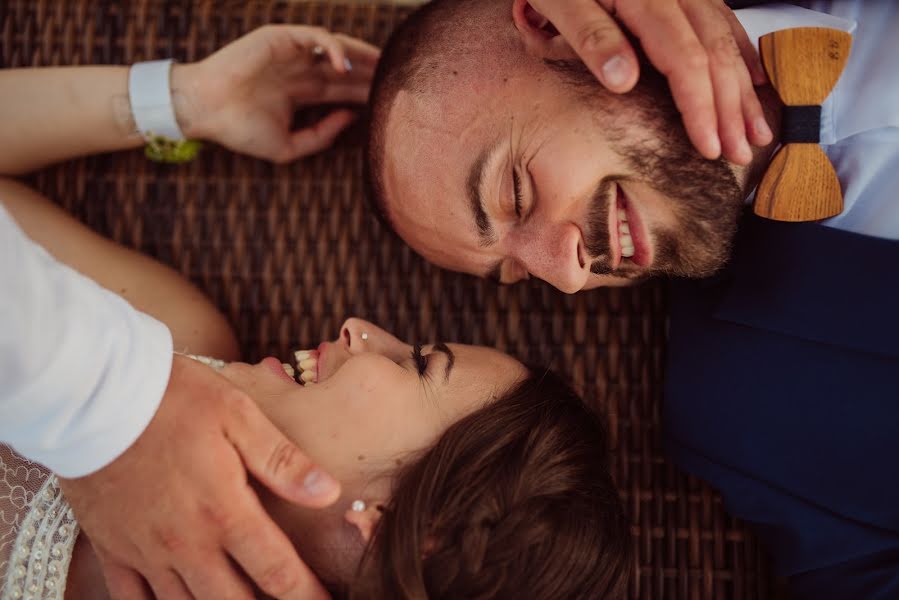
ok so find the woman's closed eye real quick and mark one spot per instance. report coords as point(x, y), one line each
point(421, 361)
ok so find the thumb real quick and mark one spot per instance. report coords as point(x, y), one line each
point(596, 37)
point(276, 461)
point(319, 136)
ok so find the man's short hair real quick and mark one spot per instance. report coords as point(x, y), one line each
point(440, 33)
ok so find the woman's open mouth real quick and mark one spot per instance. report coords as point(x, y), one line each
point(307, 366)
point(282, 370)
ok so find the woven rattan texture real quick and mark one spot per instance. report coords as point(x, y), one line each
point(288, 252)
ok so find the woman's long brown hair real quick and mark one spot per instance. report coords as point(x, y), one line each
point(514, 501)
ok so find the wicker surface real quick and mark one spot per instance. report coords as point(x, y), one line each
point(289, 252)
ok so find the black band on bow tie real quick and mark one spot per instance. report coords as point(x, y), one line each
point(801, 125)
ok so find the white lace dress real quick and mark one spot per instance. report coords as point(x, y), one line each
point(37, 527)
point(37, 531)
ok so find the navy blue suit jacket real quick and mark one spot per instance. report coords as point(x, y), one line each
point(783, 392)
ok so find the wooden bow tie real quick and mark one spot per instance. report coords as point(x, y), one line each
point(803, 64)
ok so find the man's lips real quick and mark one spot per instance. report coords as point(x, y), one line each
point(642, 253)
point(614, 237)
point(642, 250)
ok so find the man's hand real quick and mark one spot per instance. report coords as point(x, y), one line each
point(244, 96)
point(176, 508)
point(699, 45)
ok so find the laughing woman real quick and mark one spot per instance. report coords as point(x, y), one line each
point(464, 473)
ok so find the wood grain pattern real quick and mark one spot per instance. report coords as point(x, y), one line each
point(803, 64)
point(799, 185)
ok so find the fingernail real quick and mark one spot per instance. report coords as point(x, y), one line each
point(318, 483)
point(347, 65)
point(762, 129)
point(745, 152)
point(616, 72)
point(714, 145)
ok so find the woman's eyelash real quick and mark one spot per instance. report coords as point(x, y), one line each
point(519, 196)
point(421, 362)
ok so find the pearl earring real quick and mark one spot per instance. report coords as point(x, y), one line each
point(364, 336)
point(358, 506)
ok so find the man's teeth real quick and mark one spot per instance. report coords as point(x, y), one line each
point(307, 367)
point(624, 235)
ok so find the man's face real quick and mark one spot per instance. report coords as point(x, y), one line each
point(522, 175)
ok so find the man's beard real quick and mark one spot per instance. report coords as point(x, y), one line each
point(706, 199)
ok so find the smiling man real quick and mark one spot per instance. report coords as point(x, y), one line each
point(488, 159)
point(495, 153)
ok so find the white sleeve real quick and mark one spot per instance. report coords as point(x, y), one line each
point(81, 371)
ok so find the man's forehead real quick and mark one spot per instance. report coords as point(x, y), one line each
point(429, 148)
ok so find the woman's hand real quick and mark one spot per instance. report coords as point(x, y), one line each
point(244, 96)
point(699, 45)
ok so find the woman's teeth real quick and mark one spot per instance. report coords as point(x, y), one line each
point(624, 235)
point(307, 366)
point(289, 370)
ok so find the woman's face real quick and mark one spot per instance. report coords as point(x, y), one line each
point(373, 401)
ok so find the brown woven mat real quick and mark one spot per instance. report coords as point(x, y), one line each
point(289, 252)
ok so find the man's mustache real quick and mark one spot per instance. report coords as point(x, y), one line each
point(596, 234)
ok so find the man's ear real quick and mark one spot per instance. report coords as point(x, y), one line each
point(365, 521)
point(540, 37)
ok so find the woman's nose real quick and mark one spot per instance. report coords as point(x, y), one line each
point(359, 335)
point(558, 256)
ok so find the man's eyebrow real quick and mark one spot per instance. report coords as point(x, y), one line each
point(473, 187)
point(450, 358)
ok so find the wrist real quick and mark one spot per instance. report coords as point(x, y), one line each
point(187, 101)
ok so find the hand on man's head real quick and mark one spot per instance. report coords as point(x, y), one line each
point(699, 45)
point(176, 509)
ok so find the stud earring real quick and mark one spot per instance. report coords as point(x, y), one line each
point(364, 336)
point(358, 506)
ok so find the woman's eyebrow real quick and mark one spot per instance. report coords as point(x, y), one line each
point(450, 358)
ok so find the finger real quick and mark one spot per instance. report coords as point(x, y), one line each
point(275, 461)
point(359, 51)
point(729, 77)
point(747, 48)
point(215, 578)
point(267, 556)
point(167, 584)
point(595, 36)
point(123, 583)
point(334, 49)
point(320, 136)
point(672, 46)
point(330, 93)
point(758, 130)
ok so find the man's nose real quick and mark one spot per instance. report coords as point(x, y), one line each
point(557, 255)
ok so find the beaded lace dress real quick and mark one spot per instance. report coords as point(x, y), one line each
point(37, 527)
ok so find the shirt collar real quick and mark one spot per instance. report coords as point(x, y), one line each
point(758, 21)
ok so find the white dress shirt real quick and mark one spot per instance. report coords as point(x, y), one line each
point(81, 371)
point(860, 118)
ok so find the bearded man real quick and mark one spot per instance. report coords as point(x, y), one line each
point(494, 151)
